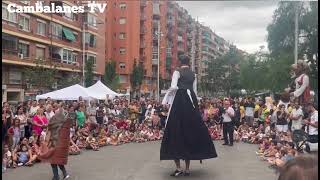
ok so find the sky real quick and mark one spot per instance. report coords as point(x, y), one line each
point(242, 23)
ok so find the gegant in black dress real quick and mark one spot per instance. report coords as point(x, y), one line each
point(186, 136)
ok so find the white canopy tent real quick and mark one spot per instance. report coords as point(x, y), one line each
point(100, 91)
point(68, 93)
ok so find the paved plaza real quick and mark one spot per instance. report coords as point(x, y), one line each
point(141, 162)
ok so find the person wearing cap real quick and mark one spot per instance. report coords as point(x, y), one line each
point(185, 136)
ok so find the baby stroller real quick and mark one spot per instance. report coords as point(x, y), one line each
point(299, 138)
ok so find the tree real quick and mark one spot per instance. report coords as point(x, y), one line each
point(281, 34)
point(136, 77)
point(70, 80)
point(89, 73)
point(41, 75)
point(111, 78)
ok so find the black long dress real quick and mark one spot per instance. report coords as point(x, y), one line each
point(186, 136)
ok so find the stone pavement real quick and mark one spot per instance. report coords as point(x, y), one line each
point(136, 161)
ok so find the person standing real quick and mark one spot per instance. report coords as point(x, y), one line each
point(311, 125)
point(49, 112)
point(228, 125)
point(296, 117)
point(185, 136)
point(55, 150)
point(302, 89)
point(21, 114)
point(249, 111)
point(282, 123)
point(92, 112)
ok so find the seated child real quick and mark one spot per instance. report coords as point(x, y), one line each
point(73, 148)
point(114, 140)
point(236, 136)
point(92, 143)
point(7, 158)
point(34, 150)
point(23, 156)
point(81, 142)
point(102, 138)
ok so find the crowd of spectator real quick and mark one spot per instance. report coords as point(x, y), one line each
point(96, 124)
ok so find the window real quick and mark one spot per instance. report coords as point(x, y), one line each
point(122, 20)
point(15, 76)
point(122, 6)
point(56, 31)
point(122, 65)
point(68, 56)
point(9, 43)
point(12, 17)
point(41, 28)
point(25, 2)
point(24, 23)
point(122, 51)
point(91, 39)
point(40, 53)
point(68, 15)
point(74, 57)
point(123, 79)
point(122, 35)
point(91, 57)
point(23, 49)
point(91, 20)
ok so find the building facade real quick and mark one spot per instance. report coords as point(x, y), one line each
point(62, 40)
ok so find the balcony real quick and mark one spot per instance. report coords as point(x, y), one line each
point(143, 30)
point(180, 48)
point(154, 61)
point(170, 22)
point(142, 45)
point(143, 58)
point(170, 11)
point(156, 10)
point(180, 39)
point(143, 17)
point(180, 30)
point(143, 3)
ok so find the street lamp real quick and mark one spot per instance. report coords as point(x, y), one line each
point(159, 34)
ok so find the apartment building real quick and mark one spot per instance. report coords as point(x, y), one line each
point(209, 46)
point(57, 39)
point(141, 32)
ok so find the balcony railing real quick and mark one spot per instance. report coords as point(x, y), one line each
point(143, 3)
point(143, 30)
point(179, 48)
point(143, 17)
point(171, 22)
point(170, 11)
point(180, 39)
point(142, 45)
point(154, 61)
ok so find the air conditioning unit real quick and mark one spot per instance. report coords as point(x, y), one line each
point(20, 26)
point(55, 85)
point(20, 56)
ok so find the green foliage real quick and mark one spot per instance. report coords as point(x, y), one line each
point(72, 79)
point(89, 73)
point(41, 76)
point(222, 73)
point(111, 78)
point(281, 34)
point(136, 76)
